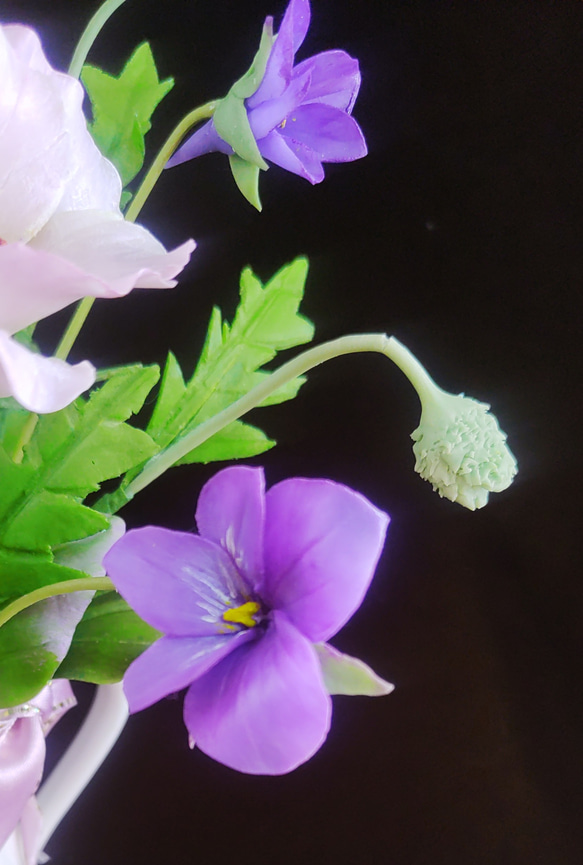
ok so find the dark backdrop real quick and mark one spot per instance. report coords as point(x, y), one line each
point(460, 233)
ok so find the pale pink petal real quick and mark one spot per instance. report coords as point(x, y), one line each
point(48, 160)
point(118, 254)
point(40, 384)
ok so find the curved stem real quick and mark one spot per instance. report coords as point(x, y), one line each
point(90, 34)
point(84, 306)
point(99, 733)
point(83, 584)
point(351, 344)
point(201, 113)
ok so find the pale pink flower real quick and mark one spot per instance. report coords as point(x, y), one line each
point(62, 234)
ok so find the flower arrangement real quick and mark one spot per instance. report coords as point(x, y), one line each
point(241, 612)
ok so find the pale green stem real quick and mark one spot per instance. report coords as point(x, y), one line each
point(83, 584)
point(351, 344)
point(90, 34)
point(201, 113)
point(25, 436)
point(84, 307)
point(73, 328)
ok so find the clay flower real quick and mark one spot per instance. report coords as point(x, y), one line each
point(62, 234)
point(295, 116)
point(22, 755)
point(246, 608)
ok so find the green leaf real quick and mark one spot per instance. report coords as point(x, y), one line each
point(23, 572)
point(48, 518)
point(122, 107)
point(34, 642)
point(108, 638)
point(238, 440)
point(266, 321)
point(71, 453)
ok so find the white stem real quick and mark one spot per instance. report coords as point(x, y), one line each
point(99, 733)
point(12, 853)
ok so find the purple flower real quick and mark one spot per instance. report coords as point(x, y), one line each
point(246, 607)
point(299, 116)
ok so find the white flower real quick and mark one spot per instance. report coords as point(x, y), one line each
point(62, 234)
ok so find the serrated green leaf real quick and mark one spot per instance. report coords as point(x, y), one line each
point(122, 107)
point(33, 644)
point(172, 389)
point(50, 518)
point(236, 441)
point(108, 638)
point(70, 454)
point(266, 321)
point(22, 572)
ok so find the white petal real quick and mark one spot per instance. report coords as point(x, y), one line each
point(118, 254)
point(40, 384)
point(87, 555)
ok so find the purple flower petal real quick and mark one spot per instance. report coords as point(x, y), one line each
point(205, 140)
point(172, 663)
point(290, 36)
point(179, 583)
point(329, 132)
point(264, 708)
point(335, 79)
point(231, 513)
point(291, 155)
point(271, 113)
point(322, 544)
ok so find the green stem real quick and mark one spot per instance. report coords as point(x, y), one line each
point(25, 436)
point(90, 34)
point(76, 323)
point(83, 584)
point(84, 306)
point(351, 344)
point(201, 113)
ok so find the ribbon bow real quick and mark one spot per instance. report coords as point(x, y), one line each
point(22, 755)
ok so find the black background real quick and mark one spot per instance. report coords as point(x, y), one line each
point(461, 233)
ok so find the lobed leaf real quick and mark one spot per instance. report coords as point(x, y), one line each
point(122, 108)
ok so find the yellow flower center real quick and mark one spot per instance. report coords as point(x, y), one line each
point(243, 615)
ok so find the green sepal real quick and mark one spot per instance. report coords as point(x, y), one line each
point(246, 176)
point(343, 674)
point(34, 642)
point(122, 109)
point(230, 117)
point(108, 638)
